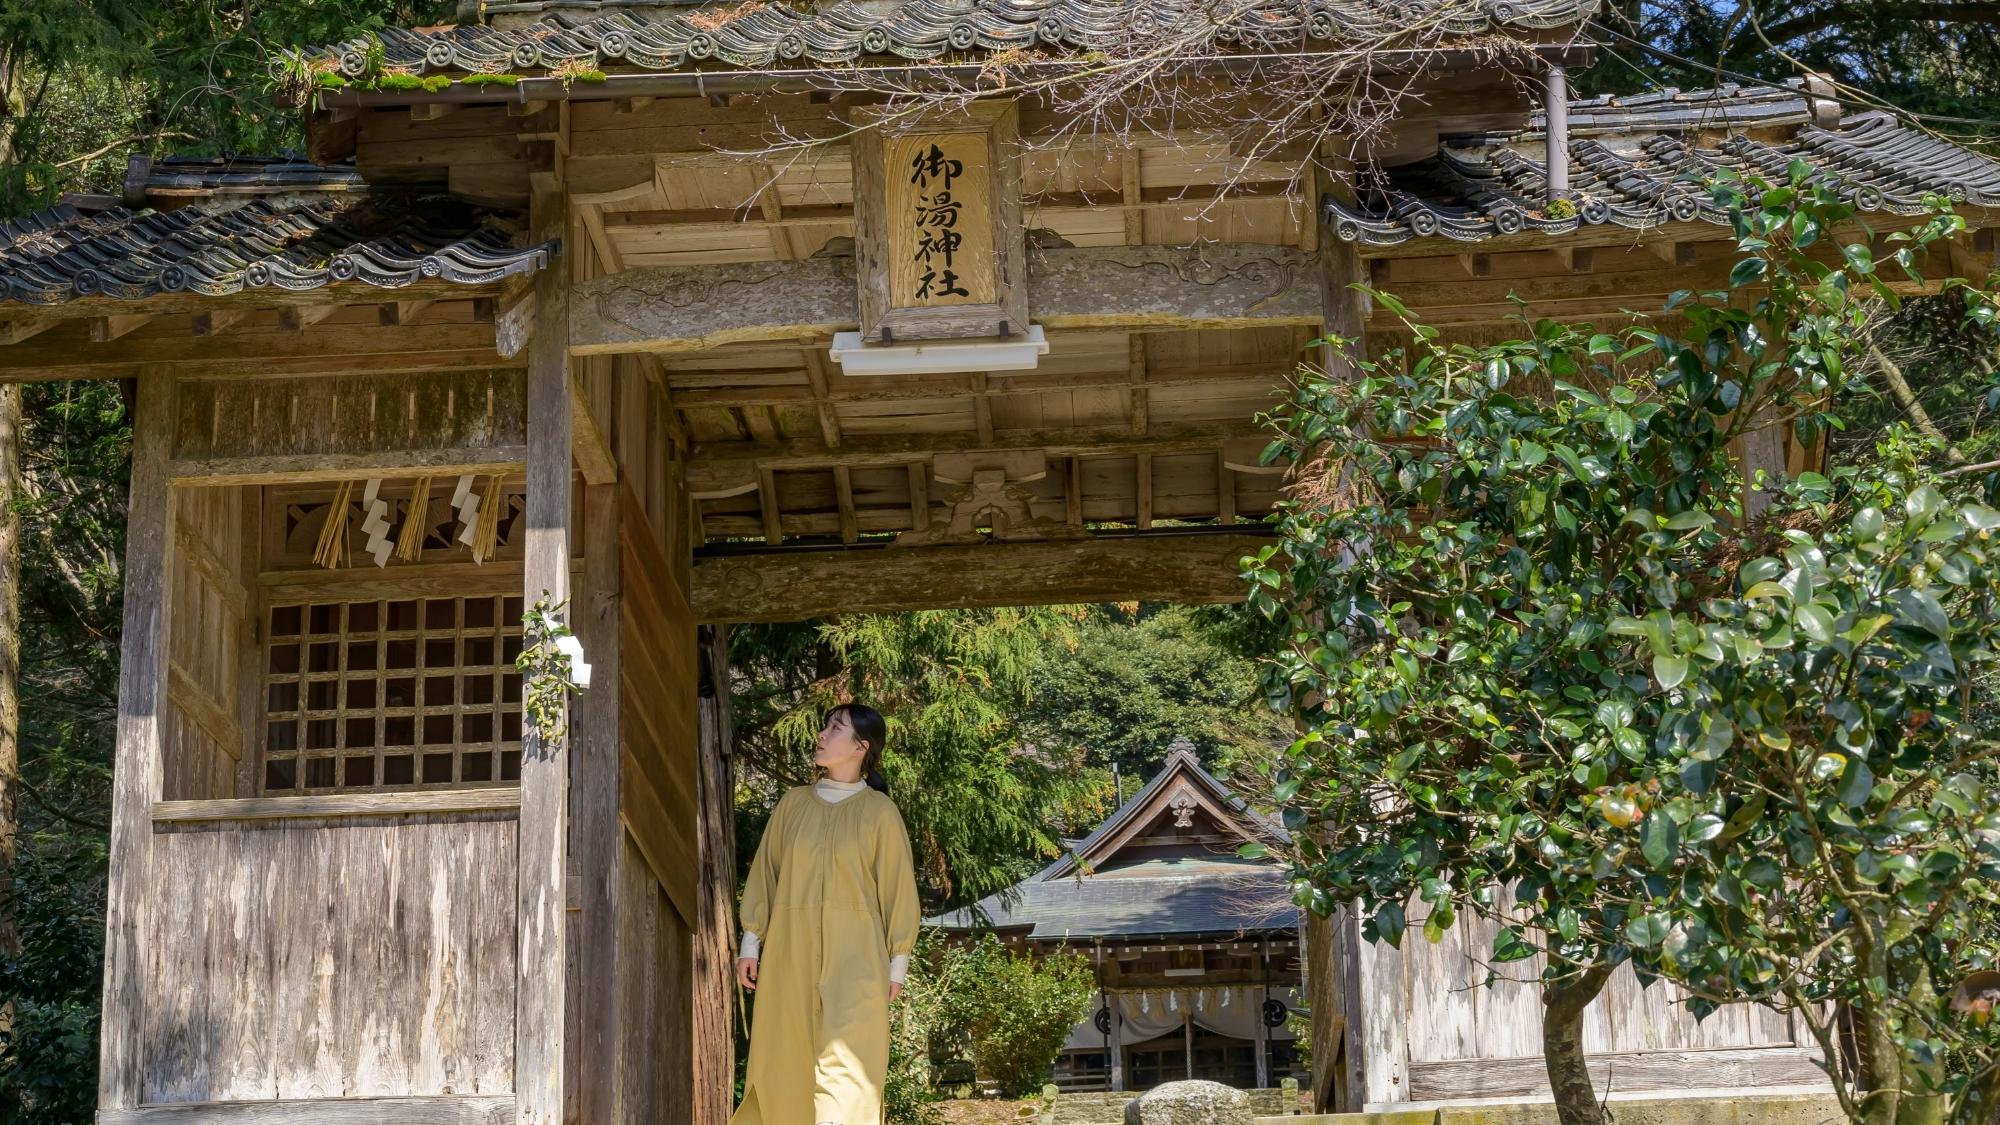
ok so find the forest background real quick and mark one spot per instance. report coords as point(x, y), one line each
point(1020, 726)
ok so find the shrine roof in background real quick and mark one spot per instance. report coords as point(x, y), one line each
point(1248, 902)
point(655, 39)
point(1636, 163)
point(254, 224)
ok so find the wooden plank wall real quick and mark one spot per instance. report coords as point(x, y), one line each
point(1427, 1010)
point(331, 959)
point(655, 971)
point(211, 648)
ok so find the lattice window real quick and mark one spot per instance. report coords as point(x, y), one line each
point(392, 694)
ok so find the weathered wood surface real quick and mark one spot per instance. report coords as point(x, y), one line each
point(489, 1110)
point(596, 836)
point(1745, 1068)
point(264, 431)
point(130, 894)
point(497, 798)
point(1428, 1004)
point(332, 346)
point(541, 994)
point(212, 623)
point(694, 308)
point(795, 585)
point(657, 725)
point(714, 944)
point(367, 957)
point(351, 414)
point(655, 982)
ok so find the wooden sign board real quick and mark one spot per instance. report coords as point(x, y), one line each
point(939, 247)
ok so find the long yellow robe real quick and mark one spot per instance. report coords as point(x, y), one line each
point(832, 896)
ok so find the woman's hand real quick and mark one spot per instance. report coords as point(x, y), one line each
point(746, 972)
point(895, 990)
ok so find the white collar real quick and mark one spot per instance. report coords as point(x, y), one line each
point(830, 783)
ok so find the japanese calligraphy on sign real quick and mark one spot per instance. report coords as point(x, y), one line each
point(940, 251)
point(940, 224)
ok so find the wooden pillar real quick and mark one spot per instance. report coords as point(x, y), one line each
point(596, 836)
point(1263, 1036)
point(539, 999)
point(135, 785)
point(1345, 314)
point(715, 929)
point(1187, 1039)
point(1117, 1047)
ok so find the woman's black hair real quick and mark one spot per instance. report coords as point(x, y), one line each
point(868, 726)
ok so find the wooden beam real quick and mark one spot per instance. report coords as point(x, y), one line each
point(298, 318)
point(1225, 490)
point(792, 585)
point(890, 388)
point(920, 494)
point(843, 496)
point(401, 312)
point(1135, 372)
point(488, 1109)
point(297, 468)
point(1073, 491)
point(104, 329)
point(541, 901)
point(15, 331)
point(819, 383)
point(731, 468)
point(767, 505)
point(327, 348)
point(136, 776)
point(695, 308)
point(593, 452)
point(215, 321)
point(1144, 497)
point(321, 806)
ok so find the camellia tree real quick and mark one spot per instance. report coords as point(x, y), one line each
point(1536, 636)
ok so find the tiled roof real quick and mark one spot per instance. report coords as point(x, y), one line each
point(1134, 907)
point(609, 35)
point(288, 242)
point(1636, 162)
point(1181, 761)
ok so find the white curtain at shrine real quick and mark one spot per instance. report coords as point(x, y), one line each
point(1232, 1010)
point(1149, 1015)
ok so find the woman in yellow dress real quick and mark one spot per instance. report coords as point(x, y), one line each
point(829, 918)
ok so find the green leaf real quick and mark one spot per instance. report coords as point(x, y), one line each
point(1390, 924)
point(1815, 622)
point(1647, 930)
point(1438, 921)
point(1670, 670)
point(1920, 608)
point(1659, 839)
point(1764, 569)
point(1747, 272)
point(1856, 783)
point(1688, 521)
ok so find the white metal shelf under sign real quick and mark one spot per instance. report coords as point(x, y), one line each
point(937, 357)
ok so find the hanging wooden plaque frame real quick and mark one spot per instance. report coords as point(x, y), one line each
point(940, 252)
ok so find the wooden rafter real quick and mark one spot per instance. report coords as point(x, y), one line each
point(322, 348)
point(725, 468)
point(819, 383)
point(787, 586)
point(843, 495)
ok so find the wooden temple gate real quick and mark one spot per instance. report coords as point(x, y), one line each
point(557, 331)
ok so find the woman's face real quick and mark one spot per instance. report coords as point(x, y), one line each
point(837, 744)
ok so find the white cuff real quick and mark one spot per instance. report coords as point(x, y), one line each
point(899, 966)
point(749, 946)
